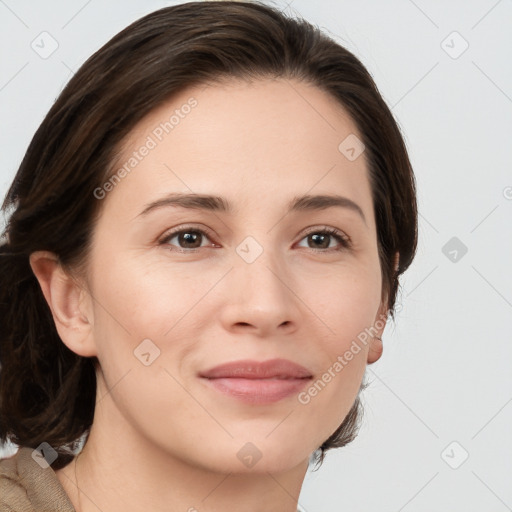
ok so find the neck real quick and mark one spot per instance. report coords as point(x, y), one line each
point(120, 470)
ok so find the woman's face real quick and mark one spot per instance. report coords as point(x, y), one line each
point(181, 284)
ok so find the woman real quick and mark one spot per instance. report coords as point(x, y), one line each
point(204, 244)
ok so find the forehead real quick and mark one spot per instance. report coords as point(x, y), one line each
point(246, 141)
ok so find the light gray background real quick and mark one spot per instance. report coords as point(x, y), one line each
point(445, 374)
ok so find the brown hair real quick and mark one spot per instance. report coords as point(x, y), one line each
point(47, 392)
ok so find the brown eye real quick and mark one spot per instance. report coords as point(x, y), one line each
point(320, 241)
point(187, 239)
point(327, 239)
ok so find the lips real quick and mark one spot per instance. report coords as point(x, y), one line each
point(255, 382)
point(247, 369)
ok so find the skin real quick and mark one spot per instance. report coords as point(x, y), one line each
point(161, 439)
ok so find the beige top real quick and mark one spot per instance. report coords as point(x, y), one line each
point(25, 486)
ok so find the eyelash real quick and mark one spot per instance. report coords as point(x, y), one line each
point(342, 239)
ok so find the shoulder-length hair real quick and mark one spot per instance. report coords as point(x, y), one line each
point(47, 392)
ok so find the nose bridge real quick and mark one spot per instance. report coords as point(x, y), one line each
point(261, 267)
point(260, 288)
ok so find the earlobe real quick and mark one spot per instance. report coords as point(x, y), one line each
point(376, 346)
point(67, 300)
point(375, 351)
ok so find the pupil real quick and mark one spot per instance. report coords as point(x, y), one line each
point(320, 238)
point(190, 238)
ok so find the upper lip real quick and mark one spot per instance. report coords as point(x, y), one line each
point(249, 369)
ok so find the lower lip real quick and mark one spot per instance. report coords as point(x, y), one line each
point(258, 391)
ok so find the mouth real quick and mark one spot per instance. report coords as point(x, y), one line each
point(257, 382)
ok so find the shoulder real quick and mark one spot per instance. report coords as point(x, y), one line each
point(12, 492)
point(27, 485)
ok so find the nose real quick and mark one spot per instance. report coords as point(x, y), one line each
point(259, 298)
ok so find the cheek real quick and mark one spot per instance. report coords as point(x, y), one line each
point(136, 301)
point(344, 308)
point(343, 303)
point(141, 327)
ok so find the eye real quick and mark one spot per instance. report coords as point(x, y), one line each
point(327, 238)
point(190, 239)
point(187, 239)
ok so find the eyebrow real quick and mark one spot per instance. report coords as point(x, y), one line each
point(220, 204)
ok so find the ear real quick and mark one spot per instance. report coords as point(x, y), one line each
point(69, 303)
point(376, 346)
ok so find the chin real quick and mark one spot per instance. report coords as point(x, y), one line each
point(243, 456)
